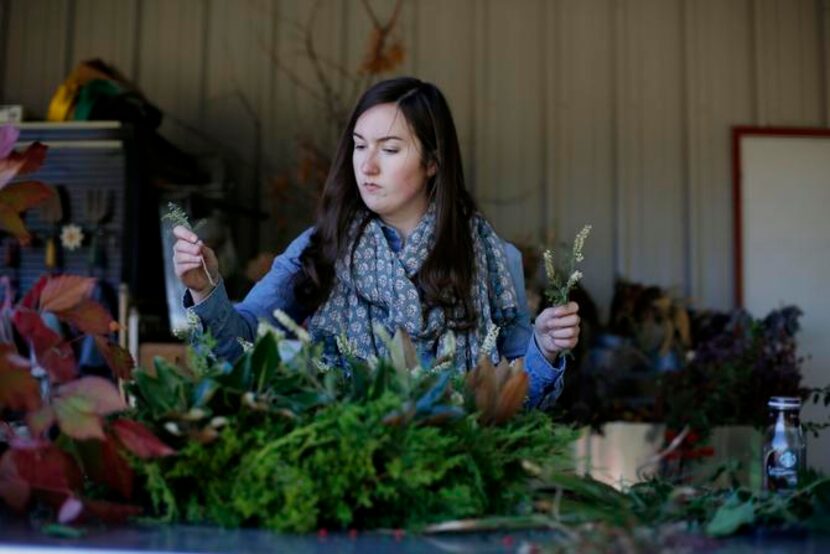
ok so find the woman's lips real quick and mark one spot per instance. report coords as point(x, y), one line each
point(371, 187)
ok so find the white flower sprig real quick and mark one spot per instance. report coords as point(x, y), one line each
point(558, 289)
point(292, 326)
point(178, 216)
point(488, 345)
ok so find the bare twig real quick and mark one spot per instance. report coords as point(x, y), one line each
point(294, 77)
point(383, 31)
point(673, 445)
point(333, 99)
point(371, 13)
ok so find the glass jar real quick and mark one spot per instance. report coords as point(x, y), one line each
point(785, 450)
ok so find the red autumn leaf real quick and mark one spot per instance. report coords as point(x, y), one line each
point(16, 198)
point(9, 358)
point(118, 359)
point(18, 389)
point(41, 420)
point(65, 292)
point(20, 163)
point(59, 362)
point(110, 512)
point(13, 489)
point(19, 197)
point(53, 354)
point(70, 510)
point(32, 157)
point(139, 440)
point(31, 326)
point(117, 473)
point(77, 418)
point(87, 316)
point(13, 224)
point(104, 463)
point(103, 395)
point(90, 456)
point(47, 468)
point(80, 404)
point(32, 297)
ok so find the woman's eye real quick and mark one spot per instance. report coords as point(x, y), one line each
point(391, 150)
point(359, 146)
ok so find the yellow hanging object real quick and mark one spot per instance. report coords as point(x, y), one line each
point(51, 258)
point(63, 101)
point(60, 107)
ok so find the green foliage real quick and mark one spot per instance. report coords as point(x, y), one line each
point(176, 216)
point(657, 503)
point(296, 445)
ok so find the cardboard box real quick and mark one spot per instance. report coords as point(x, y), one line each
point(175, 353)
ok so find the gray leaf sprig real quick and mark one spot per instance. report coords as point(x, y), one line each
point(177, 216)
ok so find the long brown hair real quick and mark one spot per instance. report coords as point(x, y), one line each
point(447, 273)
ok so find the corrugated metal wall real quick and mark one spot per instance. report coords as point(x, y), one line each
point(613, 112)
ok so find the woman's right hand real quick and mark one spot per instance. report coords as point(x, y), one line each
point(188, 253)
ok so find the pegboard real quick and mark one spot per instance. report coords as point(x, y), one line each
point(84, 158)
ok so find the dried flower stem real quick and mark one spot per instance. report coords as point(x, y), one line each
point(558, 289)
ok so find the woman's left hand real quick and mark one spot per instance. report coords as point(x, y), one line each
point(557, 329)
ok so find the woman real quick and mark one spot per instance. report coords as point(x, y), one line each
point(398, 241)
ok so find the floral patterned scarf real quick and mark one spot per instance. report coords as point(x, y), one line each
point(377, 287)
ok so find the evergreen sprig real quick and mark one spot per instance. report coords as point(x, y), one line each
point(177, 216)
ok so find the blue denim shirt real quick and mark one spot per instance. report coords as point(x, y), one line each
point(226, 321)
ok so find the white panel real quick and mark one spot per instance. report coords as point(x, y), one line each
point(236, 96)
point(35, 49)
point(4, 17)
point(579, 156)
point(296, 108)
point(106, 29)
point(825, 59)
point(613, 112)
point(788, 62)
point(509, 122)
point(650, 148)
point(718, 68)
point(448, 27)
point(786, 249)
point(171, 65)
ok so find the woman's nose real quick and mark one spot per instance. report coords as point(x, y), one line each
point(369, 165)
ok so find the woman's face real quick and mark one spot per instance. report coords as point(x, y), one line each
point(387, 167)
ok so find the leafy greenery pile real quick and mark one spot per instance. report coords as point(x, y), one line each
point(296, 445)
point(657, 514)
point(739, 362)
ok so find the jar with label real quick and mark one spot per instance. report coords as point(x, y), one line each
point(785, 450)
